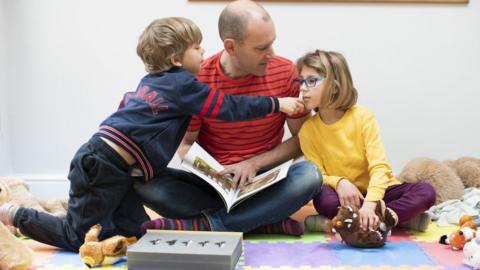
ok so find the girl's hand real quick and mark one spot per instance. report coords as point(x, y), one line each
point(291, 105)
point(368, 219)
point(348, 193)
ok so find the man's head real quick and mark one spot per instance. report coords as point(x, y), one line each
point(164, 42)
point(248, 33)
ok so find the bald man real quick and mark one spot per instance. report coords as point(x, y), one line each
point(246, 66)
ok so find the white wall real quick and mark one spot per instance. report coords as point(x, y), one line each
point(69, 63)
point(5, 160)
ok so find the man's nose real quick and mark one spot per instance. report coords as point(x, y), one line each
point(270, 53)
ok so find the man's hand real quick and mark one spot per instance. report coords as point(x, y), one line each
point(291, 105)
point(348, 193)
point(243, 172)
point(368, 219)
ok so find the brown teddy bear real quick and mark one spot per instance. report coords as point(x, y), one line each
point(347, 224)
point(449, 178)
point(106, 252)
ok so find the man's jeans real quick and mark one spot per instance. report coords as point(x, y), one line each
point(180, 194)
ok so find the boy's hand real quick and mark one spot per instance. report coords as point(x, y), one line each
point(291, 105)
point(348, 193)
point(368, 219)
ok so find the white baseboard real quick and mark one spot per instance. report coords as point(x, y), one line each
point(46, 186)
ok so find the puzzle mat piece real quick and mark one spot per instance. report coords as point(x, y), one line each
point(72, 259)
point(308, 237)
point(443, 255)
point(70, 267)
point(399, 235)
point(327, 267)
point(433, 233)
point(392, 254)
point(289, 254)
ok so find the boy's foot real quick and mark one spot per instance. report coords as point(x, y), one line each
point(316, 223)
point(196, 224)
point(420, 222)
point(7, 213)
point(287, 226)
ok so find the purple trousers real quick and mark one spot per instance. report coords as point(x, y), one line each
point(406, 199)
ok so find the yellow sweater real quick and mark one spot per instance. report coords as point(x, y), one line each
point(350, 148)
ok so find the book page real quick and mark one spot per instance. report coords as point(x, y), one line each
point(263, 181)
point(198, 161)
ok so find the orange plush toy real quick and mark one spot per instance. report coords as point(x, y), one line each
point(467, 232)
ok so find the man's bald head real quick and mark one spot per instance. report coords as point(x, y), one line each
point(236, 16)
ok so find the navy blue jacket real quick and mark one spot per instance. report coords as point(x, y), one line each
point(152, 121)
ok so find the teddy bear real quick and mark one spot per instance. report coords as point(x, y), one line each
point(449, 178)
point(347, 224)
point(106, 252)
point(14, 254)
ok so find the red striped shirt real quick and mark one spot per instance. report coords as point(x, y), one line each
point(232, 142)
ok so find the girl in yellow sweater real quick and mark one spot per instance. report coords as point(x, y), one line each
point(342, 139)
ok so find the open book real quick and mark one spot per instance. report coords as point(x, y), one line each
point(199, 162)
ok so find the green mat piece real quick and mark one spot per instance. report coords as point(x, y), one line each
point(308, 237)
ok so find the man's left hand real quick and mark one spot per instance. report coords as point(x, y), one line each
point(243, 172)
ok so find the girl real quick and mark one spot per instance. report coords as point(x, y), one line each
point(342, 139)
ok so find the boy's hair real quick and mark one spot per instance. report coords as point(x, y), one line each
point(165, 38)
point(339, 93)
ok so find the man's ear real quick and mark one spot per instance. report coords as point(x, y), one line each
point(176, 61)
point(229, 45)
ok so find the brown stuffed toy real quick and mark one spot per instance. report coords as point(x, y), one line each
point(347, 224)
point(106, 252)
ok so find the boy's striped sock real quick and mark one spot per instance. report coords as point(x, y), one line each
point(196, 224)
point(286, 226)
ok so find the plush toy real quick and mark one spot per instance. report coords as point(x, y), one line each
point(471, 253)
point(347, 224)
point(14, 254)
point(106, 252)
point(467, 231)
point(448, 178)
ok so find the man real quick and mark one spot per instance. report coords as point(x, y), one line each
point(246, 66)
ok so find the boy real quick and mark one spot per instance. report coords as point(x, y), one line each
point(142, 135)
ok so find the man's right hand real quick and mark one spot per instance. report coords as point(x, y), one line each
point(348, 193)
point(291, 105)
point(243, 172)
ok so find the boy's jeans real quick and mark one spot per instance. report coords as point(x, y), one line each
point(180, 194)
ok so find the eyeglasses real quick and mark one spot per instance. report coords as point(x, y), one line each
point(310, 82)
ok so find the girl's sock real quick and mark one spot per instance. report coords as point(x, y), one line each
point(196, 224)
point(286, 226)
point(7, 213)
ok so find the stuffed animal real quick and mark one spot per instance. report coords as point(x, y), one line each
point(471, 253)
point(106, 252)
point(347, 224)
point(14, 254)
point(448, 178)
point(467, 231)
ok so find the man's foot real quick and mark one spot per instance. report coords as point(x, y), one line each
point(196, 224)
point(287, 226)
point(316, 223)
point(7, 213)
point(420, 222)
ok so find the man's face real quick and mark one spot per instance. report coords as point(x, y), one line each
point(253, 54)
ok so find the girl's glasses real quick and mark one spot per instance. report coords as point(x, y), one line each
point(310, 82)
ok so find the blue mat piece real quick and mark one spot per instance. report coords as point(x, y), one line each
point(392, 254)
point(73, 259)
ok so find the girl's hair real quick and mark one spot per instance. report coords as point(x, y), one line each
point(339, 92)
point(165, 38)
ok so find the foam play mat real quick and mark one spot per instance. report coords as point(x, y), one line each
point(404, 250)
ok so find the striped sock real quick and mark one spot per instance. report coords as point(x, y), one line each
point(196, 224)
point(286, 226)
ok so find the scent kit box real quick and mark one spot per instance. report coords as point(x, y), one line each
point(175, 250)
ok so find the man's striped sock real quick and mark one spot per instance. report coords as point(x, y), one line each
point(196, 224)
point(286, 226)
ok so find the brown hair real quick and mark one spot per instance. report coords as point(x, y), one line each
point(340, 94)
point(165, 38)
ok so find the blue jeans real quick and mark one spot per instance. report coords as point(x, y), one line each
point(180, 194)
